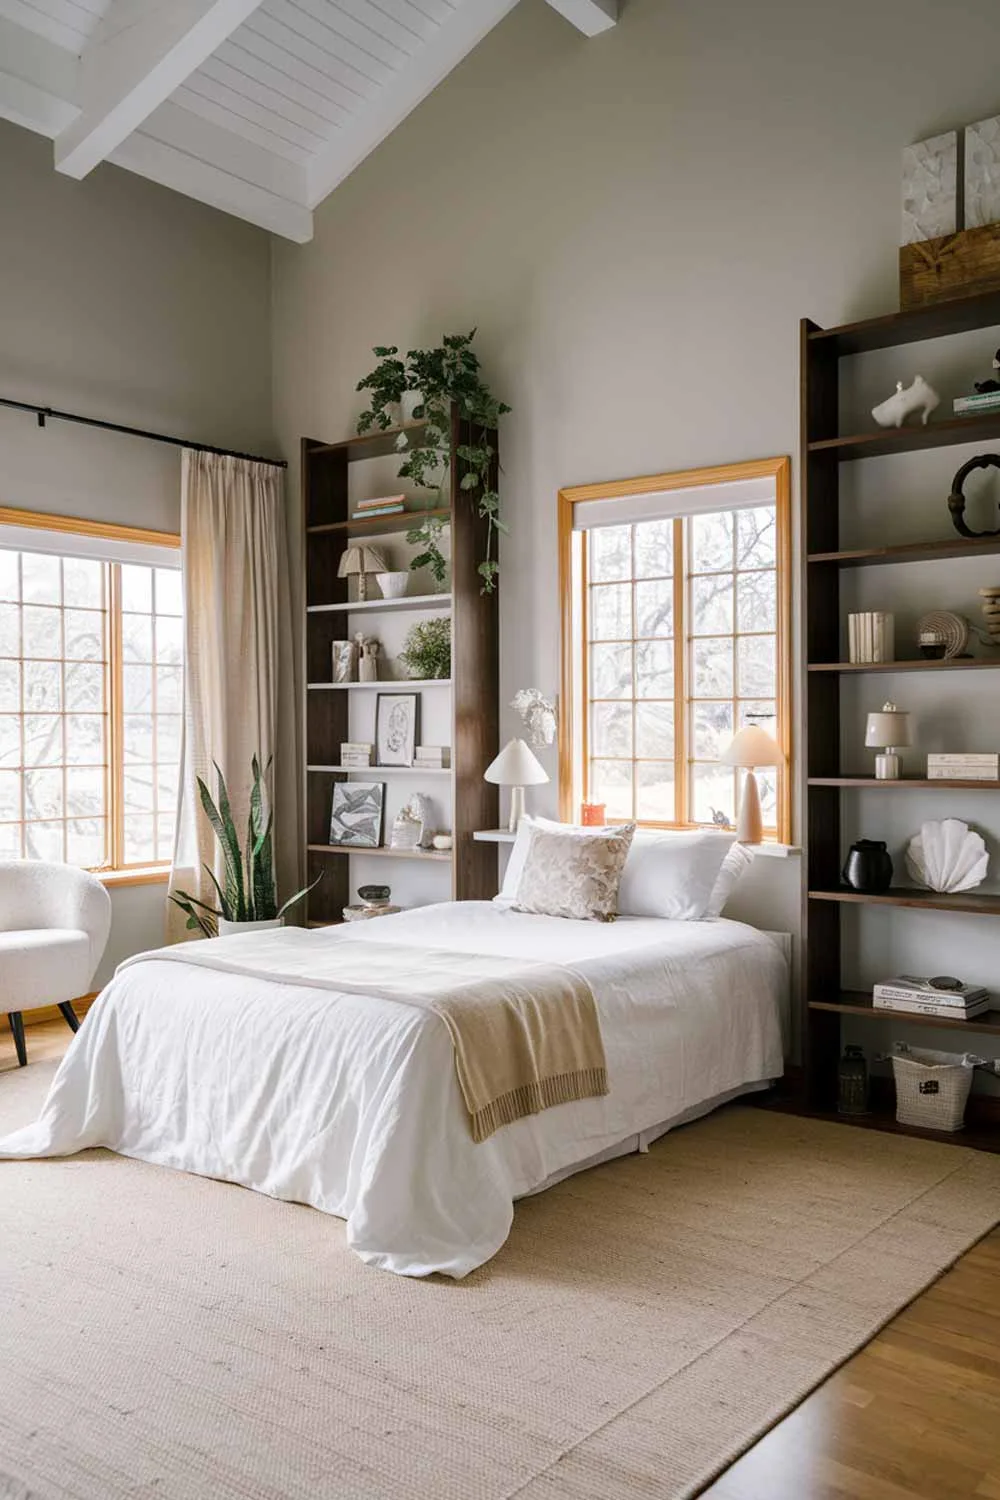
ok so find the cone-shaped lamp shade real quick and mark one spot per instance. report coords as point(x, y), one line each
point(517, 768)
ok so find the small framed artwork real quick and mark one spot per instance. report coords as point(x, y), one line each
point(357, 814)
point(397, 718)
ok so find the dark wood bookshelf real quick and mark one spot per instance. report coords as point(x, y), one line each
point(860, 1003)
point(901, 783)
point(963, 315)
point(948, 664)
point(903, 895)
point(904, 552)
point(474, 683)
point(824, 999)
point(910, 437)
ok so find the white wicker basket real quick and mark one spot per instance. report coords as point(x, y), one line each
point(932, 1088)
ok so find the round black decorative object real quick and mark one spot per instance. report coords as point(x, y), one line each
point(868, 867)
point(852, 1083)
point(956, 500)
point(374, 893)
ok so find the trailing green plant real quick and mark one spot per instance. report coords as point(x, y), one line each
point(426, 652)
point(445, 376)
point(247, 892)
point(427, 536)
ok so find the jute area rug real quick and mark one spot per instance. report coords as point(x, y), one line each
point(167, 1336)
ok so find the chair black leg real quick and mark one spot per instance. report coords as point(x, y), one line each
point(69, 1015)
point(17, 1031)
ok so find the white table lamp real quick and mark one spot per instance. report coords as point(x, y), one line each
point(750, 747)
point(887, 731)
point(517, 768)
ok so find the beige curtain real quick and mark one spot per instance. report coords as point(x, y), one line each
point(237, 684)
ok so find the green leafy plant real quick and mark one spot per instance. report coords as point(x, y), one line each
point(427, 536)
point(445, 376)
point(247, 892)
point(426, 652)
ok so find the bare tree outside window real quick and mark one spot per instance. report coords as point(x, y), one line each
point(90, 683)
point(682, 621)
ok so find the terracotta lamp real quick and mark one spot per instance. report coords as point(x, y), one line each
point(751, 747)
point(358, 562)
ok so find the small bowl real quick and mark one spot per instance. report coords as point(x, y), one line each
point(393, 585)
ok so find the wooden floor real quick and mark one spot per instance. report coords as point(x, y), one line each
point(914, 1416)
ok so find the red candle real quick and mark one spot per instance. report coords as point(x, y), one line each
point(592, 814)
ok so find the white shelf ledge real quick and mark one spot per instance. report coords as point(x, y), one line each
point(386, 770)
point(359, 606)
point(494, 836)
point(427, 856)
point(369, 687)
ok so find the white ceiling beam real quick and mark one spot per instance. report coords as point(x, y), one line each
point(443, 51)
point(589, 16)
point(181, 151)
point(140, 53)
point(38, 81)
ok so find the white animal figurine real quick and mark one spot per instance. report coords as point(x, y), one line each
point(893, 411)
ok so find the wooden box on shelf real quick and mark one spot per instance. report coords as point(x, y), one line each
point(825, 1000)
point(473, 686)
point(950, 267)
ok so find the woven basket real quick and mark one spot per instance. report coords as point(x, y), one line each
point(932, 1088)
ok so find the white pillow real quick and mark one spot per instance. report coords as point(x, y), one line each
point(735, 865)
point(671, 874)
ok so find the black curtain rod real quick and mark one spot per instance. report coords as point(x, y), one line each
point(43, 413)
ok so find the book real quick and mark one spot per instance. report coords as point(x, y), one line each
point(909, 987)
point(378, 501)
point(360, 745)
point(986, 761)
point(929, 1008)
point(382, 510)
point(983, 401)
point(961, 773)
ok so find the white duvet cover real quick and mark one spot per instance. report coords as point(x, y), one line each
point(350, 1103)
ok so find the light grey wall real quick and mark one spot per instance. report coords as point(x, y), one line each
point(122, 300)
point(636, 225)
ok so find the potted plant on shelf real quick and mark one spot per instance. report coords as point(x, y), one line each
point(426, 653)
point(446, 375)
point(247, 897)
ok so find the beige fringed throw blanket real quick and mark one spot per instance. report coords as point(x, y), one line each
point(526, 1035)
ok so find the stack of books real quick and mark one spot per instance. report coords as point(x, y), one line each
point(383, 505)
point(964, 766)
point(919, 997)
point(432, 757)
point(969, 406)
point(356, 755)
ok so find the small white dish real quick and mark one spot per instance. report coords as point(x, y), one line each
point(393, 585)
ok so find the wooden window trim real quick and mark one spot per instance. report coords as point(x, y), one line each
point(115, 873)
point(572, 593)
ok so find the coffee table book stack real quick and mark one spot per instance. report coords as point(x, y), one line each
point(461, 714)
point(912, 996)
point(841, 794)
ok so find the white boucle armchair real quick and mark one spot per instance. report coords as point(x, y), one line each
point(54, 925)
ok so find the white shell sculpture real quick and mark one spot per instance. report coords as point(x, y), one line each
point(947, 856)
point(919, 396)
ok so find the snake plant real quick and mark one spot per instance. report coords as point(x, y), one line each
point(247, 892)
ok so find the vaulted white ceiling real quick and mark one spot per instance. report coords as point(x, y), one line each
point(258, 107)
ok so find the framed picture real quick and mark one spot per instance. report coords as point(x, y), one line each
point(396, 728)
point(357, 812)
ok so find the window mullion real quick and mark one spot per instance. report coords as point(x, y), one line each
point(681, 757)
point(116, 721)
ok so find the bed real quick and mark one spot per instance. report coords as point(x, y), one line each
point(350, 1102)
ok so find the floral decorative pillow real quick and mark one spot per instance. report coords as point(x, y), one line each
point(574, 874)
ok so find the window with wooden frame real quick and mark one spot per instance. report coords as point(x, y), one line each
point(675, 633)
point(91, 663)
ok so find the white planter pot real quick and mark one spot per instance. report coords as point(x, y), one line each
point(411, 400)
point(228, 929)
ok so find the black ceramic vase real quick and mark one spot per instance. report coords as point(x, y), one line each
point(868, 867)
